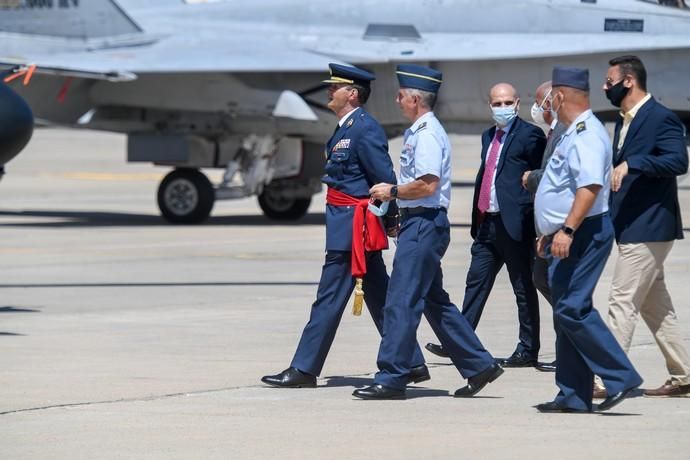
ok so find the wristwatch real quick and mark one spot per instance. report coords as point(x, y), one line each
point(394, 191)
point(570, 231)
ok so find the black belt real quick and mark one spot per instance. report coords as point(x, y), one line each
point(418, 210)
point(596, 216)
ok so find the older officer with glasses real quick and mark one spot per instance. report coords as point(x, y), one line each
point(571, 211)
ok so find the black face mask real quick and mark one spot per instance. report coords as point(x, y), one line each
point(617, 93)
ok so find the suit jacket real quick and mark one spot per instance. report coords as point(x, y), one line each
point(522, 151)
point(357, 158)
point(646, 206)
point(535, 176)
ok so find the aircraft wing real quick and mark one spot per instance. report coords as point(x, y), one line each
point(492, 46)
point(285, 51)
point(176, 55)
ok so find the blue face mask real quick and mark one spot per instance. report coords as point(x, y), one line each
point(504, 115)
point(378, 208)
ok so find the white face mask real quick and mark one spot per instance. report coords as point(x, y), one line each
point(504, 115)
point(537, 111)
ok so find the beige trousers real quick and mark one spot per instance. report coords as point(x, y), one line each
point(638, 288)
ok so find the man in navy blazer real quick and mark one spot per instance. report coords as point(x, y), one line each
point(649, 152)
point(503, 222)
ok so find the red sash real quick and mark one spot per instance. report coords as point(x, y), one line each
point(367, 230)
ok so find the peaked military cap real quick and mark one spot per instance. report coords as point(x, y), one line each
point(349, 75)
point(572, 77)
point(419, 77)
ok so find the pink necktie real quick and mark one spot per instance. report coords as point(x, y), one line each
point(489, 169)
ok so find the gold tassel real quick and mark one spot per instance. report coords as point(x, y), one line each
point(359, 298)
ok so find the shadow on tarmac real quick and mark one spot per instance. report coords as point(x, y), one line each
point(10, 309)
point(18, 310)
point(161, 284)
point(347, 381)
point(115, 219)
point(67, 219)
point(358, 382)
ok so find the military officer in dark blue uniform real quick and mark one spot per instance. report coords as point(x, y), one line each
point(416, 284)
point(571, 212)
point(357, 158)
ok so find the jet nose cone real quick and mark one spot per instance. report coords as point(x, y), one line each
point(16, 123)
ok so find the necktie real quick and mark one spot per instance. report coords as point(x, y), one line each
point(489, 169)
point(328, 144)
point(548, 136)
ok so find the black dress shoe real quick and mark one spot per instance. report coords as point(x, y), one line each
point(379, 392)
point(479, 381)
point(553, 406)
point(291, 378)
point(437, 350)
point(546, 367)
point(418, 374)
point(518, 359)
point(613, 400)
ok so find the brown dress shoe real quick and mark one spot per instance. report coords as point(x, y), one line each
point(599, 393)
point(669, 388)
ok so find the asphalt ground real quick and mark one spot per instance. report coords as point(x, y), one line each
point(122, 336)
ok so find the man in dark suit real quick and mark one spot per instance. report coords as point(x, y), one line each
point(649, 152)
point(357, 158)
point(542, 113)
point(503, 221)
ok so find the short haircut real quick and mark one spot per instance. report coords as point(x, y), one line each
point(363, 93)
point(427, 98)
point(631, 65)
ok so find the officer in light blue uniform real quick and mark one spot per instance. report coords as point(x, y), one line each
point(571, 212)
point(416, 284)
point(356, 158)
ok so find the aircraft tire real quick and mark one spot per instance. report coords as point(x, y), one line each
point(277, 207)
point(186, 196)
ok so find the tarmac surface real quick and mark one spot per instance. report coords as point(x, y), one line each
point(122, 336)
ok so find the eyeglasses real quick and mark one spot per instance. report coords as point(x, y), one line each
point(546, 98)
point(609, 83)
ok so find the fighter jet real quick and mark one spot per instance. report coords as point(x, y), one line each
point(235, 85)
point(16, 125)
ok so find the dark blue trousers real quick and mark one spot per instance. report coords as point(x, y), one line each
point(540, 277)
point(492, 248)
point(334, 291)
point(584, 345)
point(416, 287)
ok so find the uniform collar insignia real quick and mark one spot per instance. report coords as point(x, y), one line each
point(580, 127)
point(421, 127)
point(349, 122)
